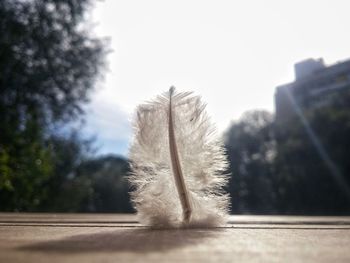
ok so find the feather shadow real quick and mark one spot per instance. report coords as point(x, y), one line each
point(130, 240)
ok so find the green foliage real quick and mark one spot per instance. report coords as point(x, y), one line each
point(22, 177)
point(251, 149)
point(48, 64)
point(310, 181)
point(82, 183)
point(67, 154)
point(108, 184)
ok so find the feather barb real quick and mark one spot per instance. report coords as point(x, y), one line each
point(177, 164)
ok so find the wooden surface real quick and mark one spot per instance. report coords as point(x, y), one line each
point(119, 238)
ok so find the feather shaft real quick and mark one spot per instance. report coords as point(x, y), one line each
point(176, 166)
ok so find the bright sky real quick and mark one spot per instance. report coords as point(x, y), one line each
point(233, 53)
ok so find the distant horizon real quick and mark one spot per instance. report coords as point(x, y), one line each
point(232, 54)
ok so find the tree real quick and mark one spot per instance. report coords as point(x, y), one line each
point(65, 191)
point(48, 64)
point(312, 167)
point(251, 150)
point(108, 182)
point(87, 184)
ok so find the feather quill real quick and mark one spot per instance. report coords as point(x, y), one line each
point(177, 164)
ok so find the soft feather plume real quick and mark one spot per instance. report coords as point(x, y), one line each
point(177, 164)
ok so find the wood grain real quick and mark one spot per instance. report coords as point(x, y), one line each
point(119, 238)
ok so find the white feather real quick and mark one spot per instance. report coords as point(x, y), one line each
point(177, 182)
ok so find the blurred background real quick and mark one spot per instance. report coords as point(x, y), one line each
point(275, 75)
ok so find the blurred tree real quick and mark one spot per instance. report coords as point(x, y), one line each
point(108, 184)
point(48, 64)
point(312, 168)
point(251, 150)
point(65, 192)
point(86, 185)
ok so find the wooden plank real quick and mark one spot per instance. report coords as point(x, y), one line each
point(119, 238)
point(66, 217)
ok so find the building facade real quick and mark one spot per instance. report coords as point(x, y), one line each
point(315, 85)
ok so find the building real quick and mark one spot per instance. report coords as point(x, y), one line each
point(315, 86)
